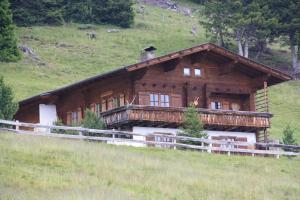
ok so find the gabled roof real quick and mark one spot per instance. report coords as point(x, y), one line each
point(178, 54)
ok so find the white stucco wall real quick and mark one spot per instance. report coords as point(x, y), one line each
point(251, 138)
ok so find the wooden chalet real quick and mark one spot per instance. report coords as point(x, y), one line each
point(229, 91)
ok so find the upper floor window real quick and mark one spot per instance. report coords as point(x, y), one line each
point(154, 100)
point(216, 105)
point(186, 71)
point(74, 118)
point(121, 100)
point(198, 72)
point(164, 100)
point(98, 109)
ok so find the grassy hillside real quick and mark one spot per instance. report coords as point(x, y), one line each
point(67, 55)
point(47, 168)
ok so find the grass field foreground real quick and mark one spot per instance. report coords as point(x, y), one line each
point(46, 168)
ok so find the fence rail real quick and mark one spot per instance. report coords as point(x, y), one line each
point(114, 138)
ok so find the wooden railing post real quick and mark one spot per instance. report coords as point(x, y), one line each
point(17, 126)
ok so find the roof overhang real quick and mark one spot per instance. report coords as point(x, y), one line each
point(276, 75)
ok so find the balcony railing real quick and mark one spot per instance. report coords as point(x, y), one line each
point(174, 116)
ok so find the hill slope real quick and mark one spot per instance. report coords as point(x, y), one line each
point(47, 168)
point(65, 55)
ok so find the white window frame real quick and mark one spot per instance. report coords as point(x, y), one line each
point(198, 70)
point(186, 71)
point(154, 99)
point(164, 100)
point(74, 117)
point(216, 105)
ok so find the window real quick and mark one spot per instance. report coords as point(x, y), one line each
point(153, 99)
point(110, 103)
point(164, 100)
point(98, 110)
point(104, 105)
point(122, 100)
point(74, 118)
point(186, 71)
point(216, 105)
point(227, 145)
point(198, 72)
point(235, 106)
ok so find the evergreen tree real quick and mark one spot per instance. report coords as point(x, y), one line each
point(92, 121)
point(8, 44)
point(7, 106)
point(118, 12)
point(192, 125)
point(288, 136)
point(248, 22)
point(56, 12)
point(288, 16)
point(216, 22)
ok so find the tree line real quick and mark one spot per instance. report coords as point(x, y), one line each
point(57, 12)
point(253, 23)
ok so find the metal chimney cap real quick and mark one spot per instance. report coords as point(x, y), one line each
point(150, 48)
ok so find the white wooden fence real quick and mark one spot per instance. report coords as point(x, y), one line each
point(114, 136)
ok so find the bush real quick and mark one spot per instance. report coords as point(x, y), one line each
point(93, 122)
point(7, 106)
point(60, 131)
point(288, 136)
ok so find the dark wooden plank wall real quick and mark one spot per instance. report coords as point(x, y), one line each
point(207, 87)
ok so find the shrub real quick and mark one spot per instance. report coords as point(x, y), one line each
point(288, 136)
point(7, 106)
point(93, 122)
point(60, 131)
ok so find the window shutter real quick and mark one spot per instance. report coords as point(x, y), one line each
point(242, 139)
point(69, 116)
point(79, 114)
point(226, 105)
point(144, 98)
point(176, 100)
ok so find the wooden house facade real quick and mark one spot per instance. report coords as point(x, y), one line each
point(229, 91)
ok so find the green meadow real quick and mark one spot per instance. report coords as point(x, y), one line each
point(34, 167)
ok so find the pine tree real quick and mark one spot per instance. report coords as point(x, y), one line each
point(192, 125)
point(7, 106)
point(92, 121)
point(8, 44)
point(216, 22)
point(288, 136)
point(288, 16)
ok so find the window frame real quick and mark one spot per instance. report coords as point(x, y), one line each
point(188, 72)
point(74, 117)
point(154, 99)
point(198, 69)
point(217, 105)
point(164, 100)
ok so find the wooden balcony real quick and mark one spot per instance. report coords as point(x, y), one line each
point(136, 115)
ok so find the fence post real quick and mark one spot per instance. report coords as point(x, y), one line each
point(17, 126)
